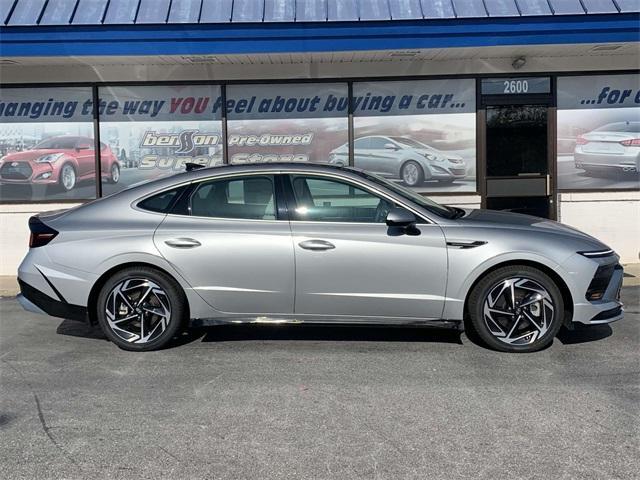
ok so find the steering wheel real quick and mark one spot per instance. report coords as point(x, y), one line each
point(382, 210)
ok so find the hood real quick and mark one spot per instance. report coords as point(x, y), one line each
point(31, 154)
point(509, 220)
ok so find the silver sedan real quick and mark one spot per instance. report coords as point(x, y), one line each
point(287, 243)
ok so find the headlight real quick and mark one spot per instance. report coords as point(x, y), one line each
point(597, 253)
point(52, 157)
point(430, 156)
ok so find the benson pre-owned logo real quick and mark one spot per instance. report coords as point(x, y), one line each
point(186, 141)
point(183, 146)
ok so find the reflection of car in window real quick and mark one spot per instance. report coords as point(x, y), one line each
point(59, 162)
point(614, 147)
point(402, 157)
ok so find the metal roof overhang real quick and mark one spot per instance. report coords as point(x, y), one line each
point(257, 38)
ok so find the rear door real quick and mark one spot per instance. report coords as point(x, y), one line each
point(231, 245)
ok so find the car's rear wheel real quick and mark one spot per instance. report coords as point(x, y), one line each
point(412, 173)
point(141, 309)
point(516, 308)
point(67, 177)
point(115, 173)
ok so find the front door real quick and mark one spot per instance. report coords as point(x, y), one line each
point(231, 248)
point(349, 263)
point(518, 151)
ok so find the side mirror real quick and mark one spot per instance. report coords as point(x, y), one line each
point(82, 147)
point(399, 217)
point(390, 146)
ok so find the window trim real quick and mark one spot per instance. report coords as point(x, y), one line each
point(421, 219)
point(195, 184)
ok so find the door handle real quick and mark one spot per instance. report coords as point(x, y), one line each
point(182, 243)
point(316, 245)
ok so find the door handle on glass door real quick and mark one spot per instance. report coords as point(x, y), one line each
point(182, 242)
point(316, 245)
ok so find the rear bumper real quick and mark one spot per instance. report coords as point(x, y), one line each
point(33, 300)
point(628, 163)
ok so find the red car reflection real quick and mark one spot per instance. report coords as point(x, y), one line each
point(59, 161)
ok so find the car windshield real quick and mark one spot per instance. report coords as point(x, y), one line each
point(56, 144)
point(627, 127)
point(424, 202)
point(408, 141)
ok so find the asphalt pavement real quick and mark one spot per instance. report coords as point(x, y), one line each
point(317, 402)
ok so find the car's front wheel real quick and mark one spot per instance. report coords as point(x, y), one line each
point(67, 177)
point(141, 309)
point(115, 173)
point(516, 308)
point(412, 173)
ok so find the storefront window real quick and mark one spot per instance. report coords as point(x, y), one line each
point(47, 150)
point(599, 132)
point(420, 133)
point(152, 131)
point(287, 123)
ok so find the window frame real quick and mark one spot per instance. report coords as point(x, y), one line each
point(278, 203)
point(289, 197)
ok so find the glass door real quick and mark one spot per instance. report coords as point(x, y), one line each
point(516, 124)
point(517, 159)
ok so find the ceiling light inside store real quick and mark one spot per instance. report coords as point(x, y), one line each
point(406, 54)
point(200, 59)
point(605, 48)
point(518, 63)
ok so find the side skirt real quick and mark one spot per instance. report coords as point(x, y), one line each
point(325, 320)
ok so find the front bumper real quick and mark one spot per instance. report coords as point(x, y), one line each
point(29, 173)
point(606, 309)
point(447, 171)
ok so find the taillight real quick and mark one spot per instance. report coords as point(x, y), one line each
point(634, 142)
point(41, 234)
point(581, 140)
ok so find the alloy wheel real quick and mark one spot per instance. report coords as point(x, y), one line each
point(518, 311)
point(410, 174)
point(115, 173)
point(138, 310)
point(68, 177)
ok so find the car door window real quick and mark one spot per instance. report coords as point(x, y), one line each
point(362, 143)
point(378, 143)
point(250, 198)
point(323, 200)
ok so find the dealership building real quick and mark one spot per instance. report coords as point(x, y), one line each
point(531, 106)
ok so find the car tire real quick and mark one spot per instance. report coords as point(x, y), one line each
point(114, 176)
point(527, 325)
point(67, 178)
point(412, 173)
point(141, 309)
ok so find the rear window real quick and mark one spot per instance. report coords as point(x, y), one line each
point(162, 202)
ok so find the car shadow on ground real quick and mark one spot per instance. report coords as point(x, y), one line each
point(334, 333)
point(584, 334)
point(330, 333)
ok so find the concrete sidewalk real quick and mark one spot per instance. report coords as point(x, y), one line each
point(9, 285)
